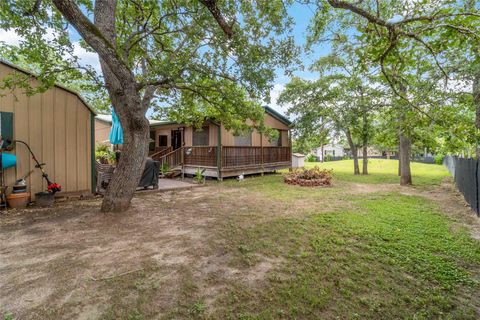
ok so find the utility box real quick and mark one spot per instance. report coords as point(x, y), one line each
point(298, 160)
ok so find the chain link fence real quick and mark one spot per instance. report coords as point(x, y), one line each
point(466, 173)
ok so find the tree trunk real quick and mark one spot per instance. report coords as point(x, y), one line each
point(476, 101)
point(365, 160)
point(130, 167)
point(353, 147)
point(404, 160)
point(322, 149)
point(365, 143)
point(470, 6)
point(399, 157)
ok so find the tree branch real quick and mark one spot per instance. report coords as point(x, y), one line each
point(215, 11)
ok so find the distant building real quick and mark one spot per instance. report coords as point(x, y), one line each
point(329, 150)
point(337, 152)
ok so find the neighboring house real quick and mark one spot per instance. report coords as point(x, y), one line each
point(103, 124)
point(219, 151)
point(331, 150)
point(337, 152)
point(58, 125)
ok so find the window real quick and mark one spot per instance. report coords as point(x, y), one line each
point(6, 128)
point(200, 137)
point(244, 140)
point(162, 140)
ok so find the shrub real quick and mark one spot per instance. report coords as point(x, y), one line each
point(309, 177)
point(439, 158)
point(311, 158)
point(199, 177)
point(164, 168)
point(104, 154)
point(328, 157)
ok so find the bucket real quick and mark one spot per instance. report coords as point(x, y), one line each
point(18, 200)
point(44, 199)
point(8, 160)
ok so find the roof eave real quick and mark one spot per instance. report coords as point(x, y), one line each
point(11, 65)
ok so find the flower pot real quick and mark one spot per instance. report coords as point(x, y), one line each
point(18, 200)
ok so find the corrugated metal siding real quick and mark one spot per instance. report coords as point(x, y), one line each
point(56, 125)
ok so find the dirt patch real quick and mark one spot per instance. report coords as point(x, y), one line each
point(65, 262)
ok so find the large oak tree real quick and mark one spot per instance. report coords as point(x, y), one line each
point(218, 57)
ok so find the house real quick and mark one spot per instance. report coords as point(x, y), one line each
point(218, 150)
point(59, 127)
point(331, 151)
point(103, 125)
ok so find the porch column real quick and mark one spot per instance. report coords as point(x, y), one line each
point(219, 152)
point(261, 152)
point(289, 132)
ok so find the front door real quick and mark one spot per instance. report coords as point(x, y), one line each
point(176, 139)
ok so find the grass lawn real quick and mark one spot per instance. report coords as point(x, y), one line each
point(365, 248)
point(384, 171)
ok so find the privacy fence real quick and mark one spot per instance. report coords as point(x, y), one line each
point(466, 173)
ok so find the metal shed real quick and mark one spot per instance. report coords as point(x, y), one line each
point(59, 127)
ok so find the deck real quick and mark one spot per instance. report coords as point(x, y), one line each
point(225, 161)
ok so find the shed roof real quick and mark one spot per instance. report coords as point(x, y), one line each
point(13, 66)
point(277, 115)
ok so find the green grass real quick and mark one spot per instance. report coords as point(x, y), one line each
point(393, 257)
point(334, 253)
point(384, 171)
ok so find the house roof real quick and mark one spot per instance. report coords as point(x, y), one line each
point(280, 117)
point(157, 123)
point(13, 66)
point(108, 119)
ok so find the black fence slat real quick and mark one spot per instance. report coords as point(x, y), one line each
point(466, 173)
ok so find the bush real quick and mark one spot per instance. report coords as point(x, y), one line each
point(439, 158)
point(309, 177)
point(164, 168)
point(104, 154)
point(328, 157)
point(311, 158)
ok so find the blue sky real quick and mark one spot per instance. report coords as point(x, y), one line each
point(302, 15)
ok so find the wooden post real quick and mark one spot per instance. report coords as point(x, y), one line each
point(261, 152)
point(219, 152)
point(290, 148)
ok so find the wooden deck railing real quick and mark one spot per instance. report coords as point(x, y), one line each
point(254, 156)
point(201, 156)
point(231, 157)
point(241, 156)
point(277, 154)
point(172, 159)
point(160, 152)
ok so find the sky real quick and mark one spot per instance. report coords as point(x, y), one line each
point(301, 15)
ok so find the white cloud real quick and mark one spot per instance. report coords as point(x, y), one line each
point(10, 37)
point(274, 94)
point(86, 57)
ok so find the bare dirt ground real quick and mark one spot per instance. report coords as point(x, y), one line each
point(73, 262)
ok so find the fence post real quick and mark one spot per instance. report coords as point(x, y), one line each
point(477, 189)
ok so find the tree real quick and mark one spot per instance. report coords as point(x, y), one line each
point(342, 95)
point(184, 53)
point(310, 134)
point(399, 36)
